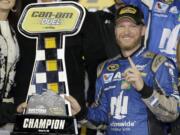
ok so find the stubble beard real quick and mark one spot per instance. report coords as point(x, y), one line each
point(129, 47)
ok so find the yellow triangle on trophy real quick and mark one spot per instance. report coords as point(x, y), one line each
point(50, 42)
point(53, 87)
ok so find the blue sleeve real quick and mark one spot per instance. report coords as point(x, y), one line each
point(99, 113)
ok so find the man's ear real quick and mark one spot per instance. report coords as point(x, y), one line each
point(143, 31)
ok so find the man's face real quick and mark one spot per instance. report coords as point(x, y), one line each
point(128, 34)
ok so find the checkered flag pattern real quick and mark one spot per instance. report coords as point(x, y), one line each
point(49, 71)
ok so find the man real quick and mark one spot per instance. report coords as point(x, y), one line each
point(137, 90)
point(162, 17)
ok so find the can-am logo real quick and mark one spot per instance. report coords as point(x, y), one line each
point(50, 18)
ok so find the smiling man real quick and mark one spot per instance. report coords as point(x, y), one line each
point(136, 90)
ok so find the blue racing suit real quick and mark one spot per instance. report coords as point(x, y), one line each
point(127, 111)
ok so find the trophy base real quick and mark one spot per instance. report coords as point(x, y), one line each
point(45, 125)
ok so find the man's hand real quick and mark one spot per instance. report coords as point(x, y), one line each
point(21, 107)
point(133, 76)
point(75, 107)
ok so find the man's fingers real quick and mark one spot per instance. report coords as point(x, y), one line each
point(70, 99)
point(129, 70)
point(130, 76)
point(74, 104)
point(131, 80)
point(21, 107)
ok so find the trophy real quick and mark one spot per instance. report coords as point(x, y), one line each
point(47, 111)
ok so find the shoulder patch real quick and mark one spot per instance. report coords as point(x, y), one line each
point(101, 66)
point(149, 55)
point(157, 62)
point(113, 67)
